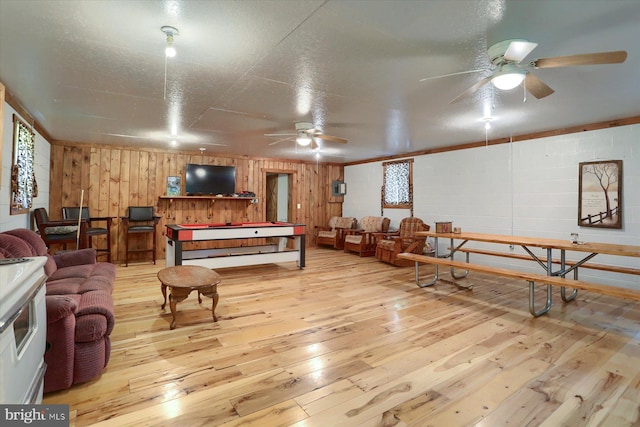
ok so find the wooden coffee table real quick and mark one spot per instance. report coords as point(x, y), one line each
point(182, 279)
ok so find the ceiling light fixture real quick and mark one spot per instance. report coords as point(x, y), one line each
point(303, 138)
point(508, 78)
point(170, 32)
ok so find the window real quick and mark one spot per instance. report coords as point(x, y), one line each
point(397, 185)
point(23, 183)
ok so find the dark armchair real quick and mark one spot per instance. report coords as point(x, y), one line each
point(60, 232)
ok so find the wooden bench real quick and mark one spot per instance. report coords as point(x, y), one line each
point(532, 278)
point(602, 267)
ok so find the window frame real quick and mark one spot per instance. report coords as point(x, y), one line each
point(386, 171)
point(23, 183)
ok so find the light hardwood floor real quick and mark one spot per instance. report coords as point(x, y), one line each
point(351, 341)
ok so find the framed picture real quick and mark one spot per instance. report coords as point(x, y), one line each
point(600, 194)
point(173, 186)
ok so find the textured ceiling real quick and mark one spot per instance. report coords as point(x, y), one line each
point(95, 71)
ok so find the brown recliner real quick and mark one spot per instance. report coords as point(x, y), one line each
point(403, 240)
point(333, 234)
point(363, 240)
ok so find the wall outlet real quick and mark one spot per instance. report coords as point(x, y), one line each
point(298, 205)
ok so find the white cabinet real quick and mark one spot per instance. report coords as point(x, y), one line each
point(23, 330)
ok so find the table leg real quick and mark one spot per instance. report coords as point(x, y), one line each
point(214, 304)
point(532, 309)
point(435, 274)
point(563, 289)
point(211, 292)
point(163, 288)
point(452, 270)
point(172, 305)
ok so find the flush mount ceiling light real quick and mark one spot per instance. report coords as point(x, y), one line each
point(508, 78)
point(303, 138)
point(170, 32)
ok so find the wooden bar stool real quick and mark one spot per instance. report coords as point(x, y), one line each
point(92, 230)
point(140, 220)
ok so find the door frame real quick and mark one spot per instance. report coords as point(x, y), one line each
point(292, 173)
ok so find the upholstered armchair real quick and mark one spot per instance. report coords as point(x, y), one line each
point(364, 239)
point(403, 240)
point(333, 234)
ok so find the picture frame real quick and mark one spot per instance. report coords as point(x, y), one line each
point(173, 186)
point(600, 194)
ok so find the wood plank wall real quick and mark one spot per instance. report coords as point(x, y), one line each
point(114, 178)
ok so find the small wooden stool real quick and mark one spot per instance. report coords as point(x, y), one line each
point(182, 279)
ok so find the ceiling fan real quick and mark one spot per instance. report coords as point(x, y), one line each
point(508, 72)
point(305, 135)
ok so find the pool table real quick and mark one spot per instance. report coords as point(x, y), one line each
point(281, 232)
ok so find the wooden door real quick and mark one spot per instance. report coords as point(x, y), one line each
point(272, 197)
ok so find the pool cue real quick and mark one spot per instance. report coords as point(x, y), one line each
point(79, 221)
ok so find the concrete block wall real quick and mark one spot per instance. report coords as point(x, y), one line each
point(525, 188)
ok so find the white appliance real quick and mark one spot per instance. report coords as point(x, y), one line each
point(23, 330)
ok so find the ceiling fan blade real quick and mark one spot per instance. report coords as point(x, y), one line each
point(313, 145)
point(472, 89)
point(518, 50)
point(280, 140)
point(537, 87)
point(614, 57)
point(279, 134)
point(331, 138)
point(453, 74)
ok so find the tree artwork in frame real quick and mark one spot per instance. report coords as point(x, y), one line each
point(600, 194)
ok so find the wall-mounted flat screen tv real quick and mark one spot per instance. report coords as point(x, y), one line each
point(205, 180)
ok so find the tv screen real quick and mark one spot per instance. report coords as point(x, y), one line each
point(210, 180)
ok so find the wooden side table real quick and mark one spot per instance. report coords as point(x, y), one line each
point(182, 279)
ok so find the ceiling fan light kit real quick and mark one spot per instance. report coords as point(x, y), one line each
point(508, 79)
point(170, 32)
point(305, 136)
point(303, 139)
point(508, 71)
